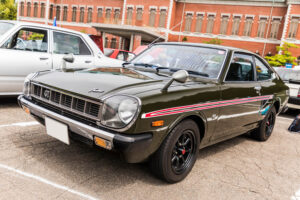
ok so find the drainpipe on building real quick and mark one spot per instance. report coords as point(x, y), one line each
point(269, 24)
point(286, 23)
point(123, 13)
point(181, 21)
point(169, 19)
point(18, 10)
point(47, 12)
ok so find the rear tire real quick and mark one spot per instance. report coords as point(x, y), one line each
point(264, 131)
point(178, 153)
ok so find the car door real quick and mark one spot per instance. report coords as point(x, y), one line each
point(269, 84)
point(26, 51)
point(240, 98)
point(67, 43)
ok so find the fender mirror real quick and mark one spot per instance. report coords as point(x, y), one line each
point(67, 58)
point(180, 76)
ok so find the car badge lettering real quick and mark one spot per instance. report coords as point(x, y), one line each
point(96, 90)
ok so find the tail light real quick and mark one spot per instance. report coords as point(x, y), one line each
point(299, 93)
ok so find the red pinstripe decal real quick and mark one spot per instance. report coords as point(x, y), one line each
point(181, 109)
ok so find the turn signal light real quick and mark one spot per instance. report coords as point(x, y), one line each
point(158, 123)
point(103, 143)
point(26, 109)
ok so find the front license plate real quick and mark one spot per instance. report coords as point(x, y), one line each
point(57, 130)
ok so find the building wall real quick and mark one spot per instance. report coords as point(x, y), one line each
point(176, 31)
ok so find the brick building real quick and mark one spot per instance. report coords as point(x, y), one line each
point(256, 25)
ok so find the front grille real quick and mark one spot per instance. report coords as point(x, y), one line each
point(74, 104)
point(293, 100)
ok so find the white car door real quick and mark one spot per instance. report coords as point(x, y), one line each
point(26, 51)
point(69, 43)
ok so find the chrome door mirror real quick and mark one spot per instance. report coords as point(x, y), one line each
point(180, 76)
point(67, 58)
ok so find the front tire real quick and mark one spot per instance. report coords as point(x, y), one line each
point(266, 127)
point(178, 153)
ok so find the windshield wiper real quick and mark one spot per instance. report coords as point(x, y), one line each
point(197, 73)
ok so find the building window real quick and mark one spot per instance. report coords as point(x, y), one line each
point(210, 23)
point(224, 24)
point(152, 17)
point(22, 9)
point(293, 27)
point(117, 16)
point(65, 13)
point(108, 13)
point(51, 12)
point(262, 27)
point(129, 15)
point(35, 9)
point(57, 13)
point(28, 9)
point(90, 15)
point(199, 22)
point(106, 42)
point(99, 14)
point(236, 25)
point(113, 43)
point(162, 18)
point(81, 15)
point(274, 28)
point(42, 10)
point(248, 26)
point(188, 22)
point(74, 13)
point(139, 14)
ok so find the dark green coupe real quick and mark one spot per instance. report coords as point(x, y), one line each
point(162, 107)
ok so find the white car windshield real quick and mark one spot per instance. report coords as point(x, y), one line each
point(198, 59)
point(4, 27)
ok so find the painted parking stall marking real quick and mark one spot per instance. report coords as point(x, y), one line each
point(21, 124)
point(205, 106)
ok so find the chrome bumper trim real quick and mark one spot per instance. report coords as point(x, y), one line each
point(74, 126)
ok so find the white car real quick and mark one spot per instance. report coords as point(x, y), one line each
point(291, 77)
point(29, 47)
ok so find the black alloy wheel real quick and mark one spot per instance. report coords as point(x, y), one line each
point(178, 153)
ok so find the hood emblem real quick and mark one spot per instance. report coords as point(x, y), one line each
point(96, 90)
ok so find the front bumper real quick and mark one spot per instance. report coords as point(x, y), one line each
point(133, 147)
point(294, 103)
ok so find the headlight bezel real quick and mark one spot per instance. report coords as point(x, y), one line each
point(26, 85)
point(133, 120)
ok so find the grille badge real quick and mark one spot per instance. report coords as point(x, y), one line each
point(47, 94)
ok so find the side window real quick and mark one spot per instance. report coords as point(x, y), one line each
point(28, 40)
point(263, 72)
point(241, 68)
point(66, 43)
point(120, 56)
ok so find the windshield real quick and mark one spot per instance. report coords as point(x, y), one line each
point(191, 58)
point(288, 74)
point(4, 27)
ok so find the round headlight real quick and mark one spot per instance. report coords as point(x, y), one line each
point(118, 111)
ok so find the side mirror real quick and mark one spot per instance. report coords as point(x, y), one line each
point(180, 76)
point(67, 58)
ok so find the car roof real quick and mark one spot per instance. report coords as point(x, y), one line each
point(207, 45)
point(20, 23)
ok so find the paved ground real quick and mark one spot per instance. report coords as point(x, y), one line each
point(35, 166)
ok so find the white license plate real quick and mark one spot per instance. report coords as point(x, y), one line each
point(57, 130)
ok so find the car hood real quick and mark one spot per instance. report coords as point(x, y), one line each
point(99, 82)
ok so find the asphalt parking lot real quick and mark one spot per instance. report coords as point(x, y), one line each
point(35, 166)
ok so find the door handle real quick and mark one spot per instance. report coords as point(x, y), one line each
point(44, 58)
point(88, 61)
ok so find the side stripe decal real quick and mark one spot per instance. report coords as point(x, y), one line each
point(204, 106)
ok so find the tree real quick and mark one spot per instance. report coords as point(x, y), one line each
point(214, 41)
point(283, 58)
point(8, 10)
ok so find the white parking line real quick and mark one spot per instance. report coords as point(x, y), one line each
point(21, 124)
point(40, 179)
point(285, 118)
point(296, 196)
